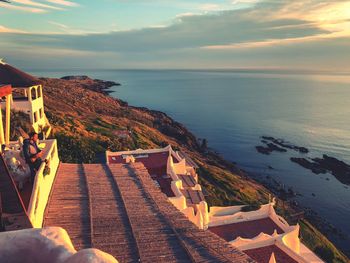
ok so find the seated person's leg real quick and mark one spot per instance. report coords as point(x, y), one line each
point(34, 166)
point(37, 163)
point(32, 171)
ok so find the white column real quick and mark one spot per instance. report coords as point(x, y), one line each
point(2, 139)
point(36, 92)
point(30, 94)
point(8, 115)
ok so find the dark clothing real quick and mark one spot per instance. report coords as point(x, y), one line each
point(30, 150)
point(34, 166)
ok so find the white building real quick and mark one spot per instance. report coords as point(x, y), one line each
point(261, 234)
point(27, 96)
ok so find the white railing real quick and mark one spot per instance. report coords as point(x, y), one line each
point(225, 218)
point(201, 216)
point(43, 184)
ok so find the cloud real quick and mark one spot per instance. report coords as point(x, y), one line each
point(65, 29)
point(58, 24)
point(194, 31)
point(236, 2)
point(63, 2)
point(4, 29)
point(185, 14)
point(264, 43)
point(22, 8)
point(269, 33)
point(209, 7)
point(36, 4)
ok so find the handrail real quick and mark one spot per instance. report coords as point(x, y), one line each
point(41, 193)
point(34, 196)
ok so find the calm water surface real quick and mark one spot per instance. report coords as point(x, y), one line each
point(232, 110)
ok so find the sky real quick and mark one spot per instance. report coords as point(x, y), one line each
point(181, 34)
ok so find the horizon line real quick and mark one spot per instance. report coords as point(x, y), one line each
point(238, 70)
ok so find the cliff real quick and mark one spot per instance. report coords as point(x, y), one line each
point(87, 122)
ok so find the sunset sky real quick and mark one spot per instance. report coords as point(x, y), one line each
point(107, 34)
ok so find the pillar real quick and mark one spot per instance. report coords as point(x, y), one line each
point(2, 139)
point(7, 118)
point(29, 94)
point(36, 92)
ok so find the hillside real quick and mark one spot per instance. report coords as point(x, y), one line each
point(86, 122)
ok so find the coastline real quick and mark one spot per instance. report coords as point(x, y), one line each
point(292, 206)
point(176, 133)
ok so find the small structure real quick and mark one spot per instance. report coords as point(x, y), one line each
point(261, 234)
point(173, 172)
point(27, 96)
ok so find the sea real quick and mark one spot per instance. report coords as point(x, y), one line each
point(233, 109)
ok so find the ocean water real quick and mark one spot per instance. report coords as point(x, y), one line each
point(233, 109)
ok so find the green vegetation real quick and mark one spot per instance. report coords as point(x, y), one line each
point(320, 244)
point(75, 149)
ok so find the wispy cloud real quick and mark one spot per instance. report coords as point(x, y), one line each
point(63, 2)
point(36, 4)
point(65, 29)
point(268, 42)
point(22, 8)
point(185, 14)
point(236, 2)
point(210, 7)
point(62, 26)
point(4, 29)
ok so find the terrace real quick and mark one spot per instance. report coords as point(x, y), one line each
point(155, 163)
point(247, 229)
point(263, 254)
point(29, 191)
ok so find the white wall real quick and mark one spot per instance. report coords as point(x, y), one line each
point(43, 185)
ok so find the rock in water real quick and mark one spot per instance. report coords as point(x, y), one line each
point(339, 169)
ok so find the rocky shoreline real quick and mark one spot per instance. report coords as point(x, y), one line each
point(98, 85)
point(320, 165)
point(327, 164)
point(277, 145)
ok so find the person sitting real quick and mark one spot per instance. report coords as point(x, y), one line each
point(32, 153)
